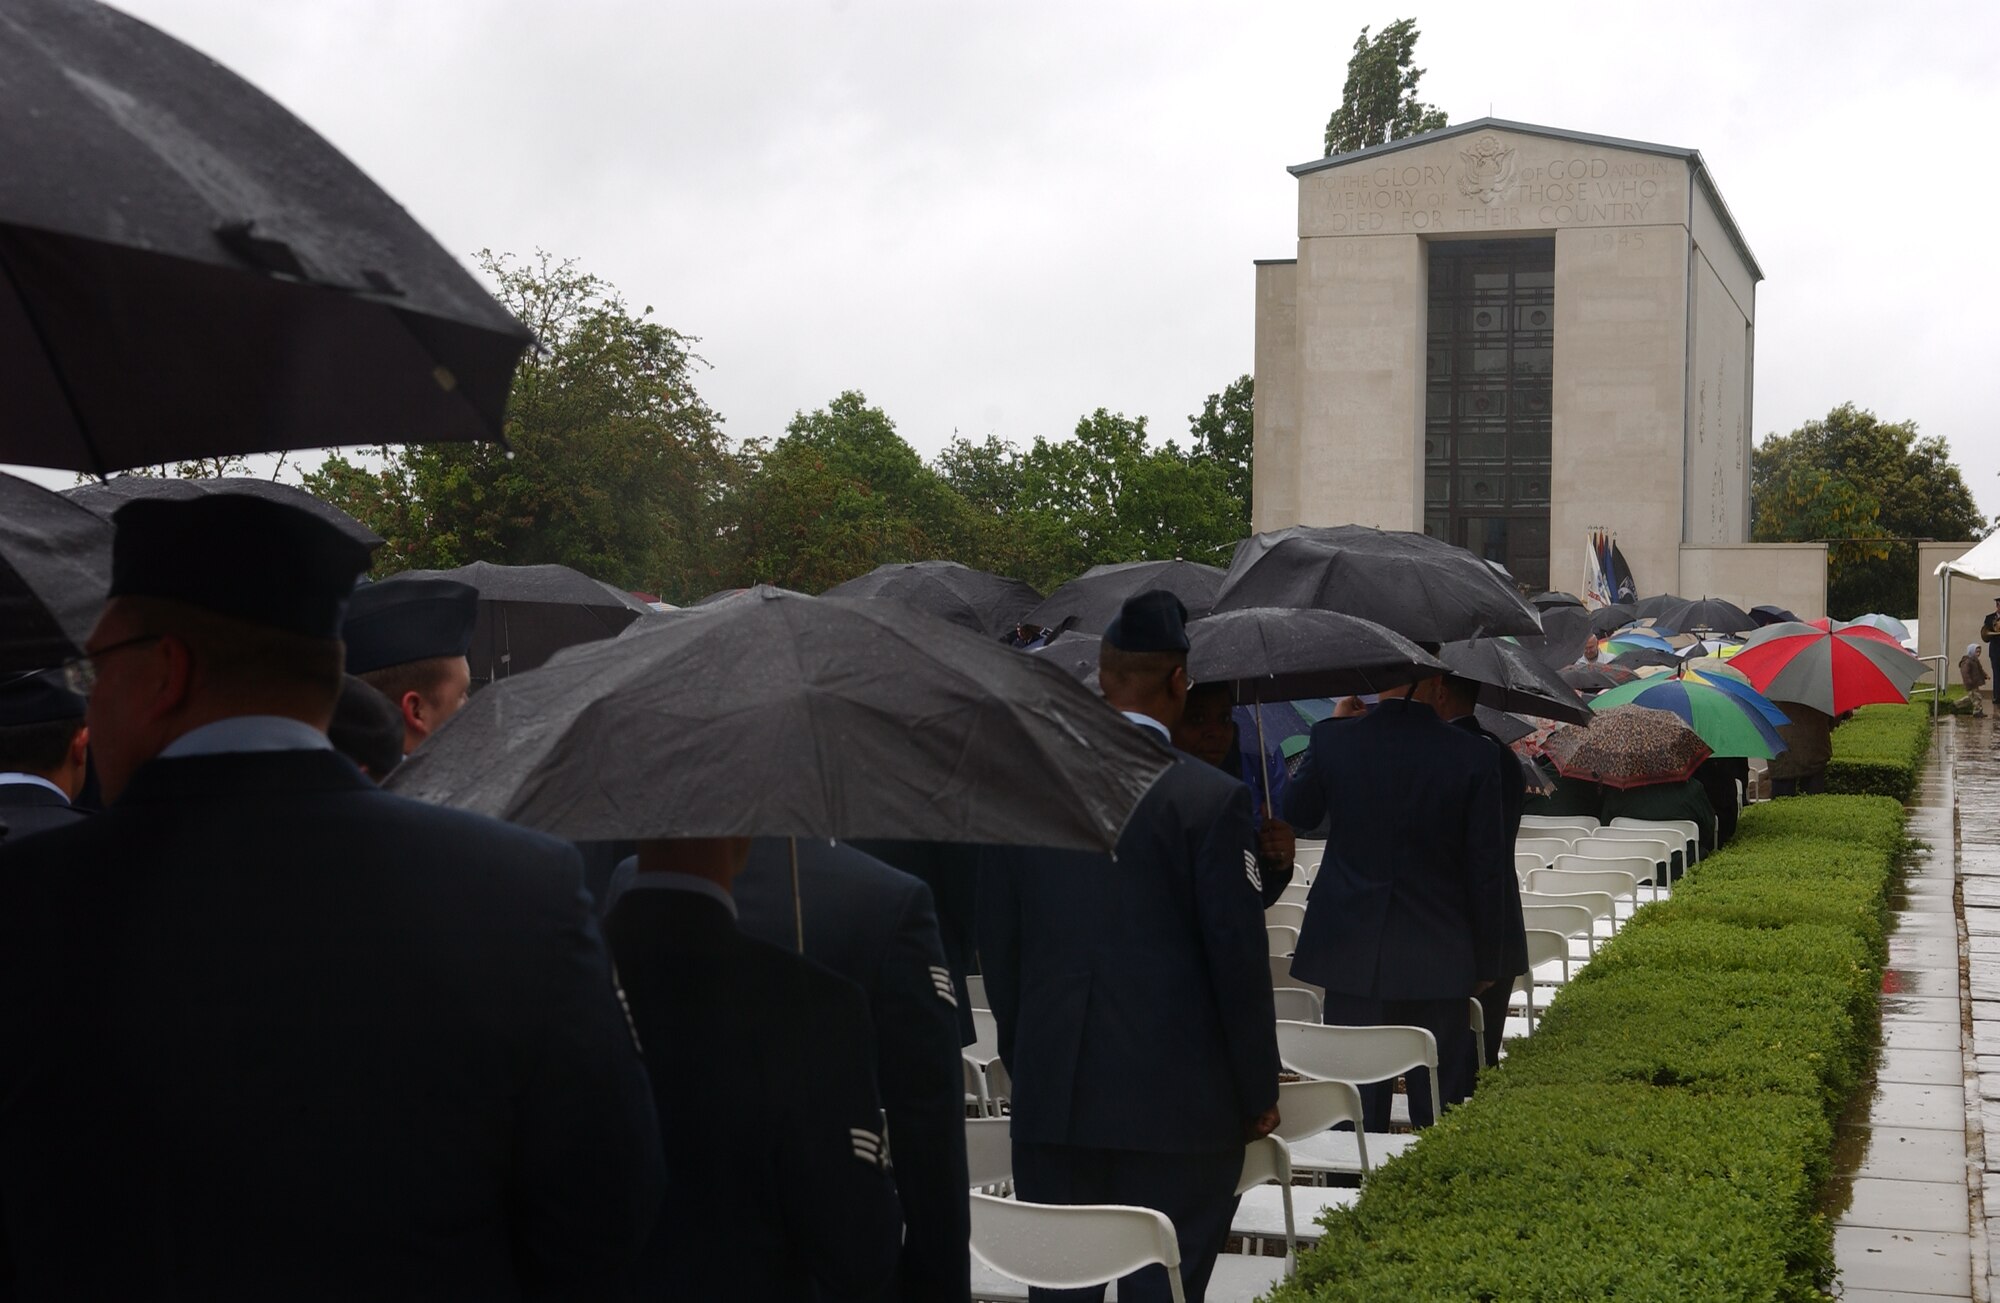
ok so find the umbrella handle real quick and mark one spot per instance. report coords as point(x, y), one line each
point(1263, 759)
point(798, 913)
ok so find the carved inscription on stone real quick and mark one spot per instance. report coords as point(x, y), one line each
point(1488, 184)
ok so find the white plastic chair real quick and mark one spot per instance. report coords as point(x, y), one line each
point(1283, 941)
point(1580, 822)
point(1545, 847)
point(1528, 862)
point(1557, 912)
point(1308, 1112)
point(1686, 829)
point(1296, 1004)
point(1359, 1055)
point(1543, 948)
point(1267, 1160)
point(975, 989)
point(1617, 843)
point(1281, 976)
point(1285, 914)
point(989, 1154)
point(1620, 877)
point(1476, 1015)
point(1072, 1246)
point(1296, 893)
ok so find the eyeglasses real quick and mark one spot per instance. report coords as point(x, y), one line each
point(80, 672)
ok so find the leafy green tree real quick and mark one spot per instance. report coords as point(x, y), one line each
point(839, 494)
point(1222, 433)
point(1869, 486)
point(1379, 102)
point(1107, 495)
point(614, 464)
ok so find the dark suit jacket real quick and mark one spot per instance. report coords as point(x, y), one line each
point(281, 1034)
point(875, 927)
point(28, 808)
point(1411, 897)
point(1513, 795)
point(763, 1071)
point(951, 871)
point(1133, 993)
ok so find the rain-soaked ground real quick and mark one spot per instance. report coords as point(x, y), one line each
point(1915, 1182)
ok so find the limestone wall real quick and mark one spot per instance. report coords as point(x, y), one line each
point(1274, 417)
point(1791, 575)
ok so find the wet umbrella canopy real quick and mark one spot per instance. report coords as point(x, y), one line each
point(1627, 746)
point(1729, 723)
point(972, 599)
point(1510, 678)
point(107, 496)
point(1088, 602)
point(1421, 587)
point(1595, 678)
point(1710, 615)
point(1832, 672)
point(529, 613)
point(187, 270)
point(857, 718)
point(1277, 655)
point(55, 568)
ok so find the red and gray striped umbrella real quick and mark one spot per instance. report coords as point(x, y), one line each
point(1831, 671)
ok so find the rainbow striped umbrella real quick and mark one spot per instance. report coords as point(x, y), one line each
point(1730, 725)
point(1832, 671)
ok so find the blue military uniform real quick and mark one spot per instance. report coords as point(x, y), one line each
point(762, 1064)
point(1133, 998)
point(1514, 955)
point(876, 927)
point(283, 1035)
point(1408, 912)
point(29, 802)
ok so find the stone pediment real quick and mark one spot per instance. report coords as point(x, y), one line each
point(1490, 176)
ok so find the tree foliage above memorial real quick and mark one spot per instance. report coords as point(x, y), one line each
point(1870, 488)
point(615, 465)
point(1379, 102)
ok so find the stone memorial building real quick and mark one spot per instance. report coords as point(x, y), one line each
point(1508, 335)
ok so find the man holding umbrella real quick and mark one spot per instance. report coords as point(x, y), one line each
point(44, 753)
point(280, 1033)
point(1409, 911)
point(1133, 992)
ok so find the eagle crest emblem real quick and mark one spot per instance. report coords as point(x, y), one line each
point(1489, 170)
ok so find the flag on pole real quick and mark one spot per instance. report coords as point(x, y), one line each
point(1597, 590)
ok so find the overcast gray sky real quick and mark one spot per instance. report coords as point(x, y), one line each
point(993, 218)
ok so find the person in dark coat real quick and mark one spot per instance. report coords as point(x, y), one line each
point(1571, 796)
point(407, 640)
point(291, 1036)
point(1133, 992)
point(1686, 799)
point(951, 871)
point(1719, 776)
point(44, 753)
point(763, 1067)
point(1409, 914)
point(876, 927)
point(367, 729)
point(1456, 700)
point(1208, 731)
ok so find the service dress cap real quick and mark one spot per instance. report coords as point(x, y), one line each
point(1152, 621)
point(37, 697)
point(399, 621)
point(233, 555)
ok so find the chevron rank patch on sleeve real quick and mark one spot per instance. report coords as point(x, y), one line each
point(1251, 871)
point(941, 979)
point(869, 1147)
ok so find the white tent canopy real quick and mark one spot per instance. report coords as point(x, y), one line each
point(1981, 563)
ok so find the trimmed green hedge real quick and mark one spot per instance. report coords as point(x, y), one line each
point(1666, 1131)
point(1880, 751)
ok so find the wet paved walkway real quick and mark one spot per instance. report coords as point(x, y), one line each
point(1914, 1229)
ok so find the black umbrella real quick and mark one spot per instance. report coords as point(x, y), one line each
point(187, 270)
point(107, 496)
point(1708, 615)
point(1277, 654)
point(529, 613)
point(1650, 607)
point(1641, 657)
point(1421, 587)
point(988, 604)
point(1544, 602)
point(780, 715)
point(1595, 678)
point(1510, 678)
point(1089, 602)
point(1612, 617)
point(1565, 630)
point(1076, 653)
point(1507, 727)
point(55, 567)
point(1767, 614)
